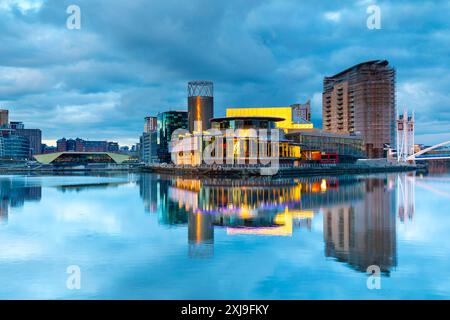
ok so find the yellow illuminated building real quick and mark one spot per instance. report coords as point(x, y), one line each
point(281, 112)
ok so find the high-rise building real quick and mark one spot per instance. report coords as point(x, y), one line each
point(168, 122)
point(150, 124)
point(148, 141)
point(200, 105)
point(361, 100)
point(34, 137)
point(4, 118)
point(302, 111)
point(149, 147)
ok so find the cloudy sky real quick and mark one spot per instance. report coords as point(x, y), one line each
point(133, 58)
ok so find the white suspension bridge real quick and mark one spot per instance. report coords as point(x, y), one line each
point(439, 155)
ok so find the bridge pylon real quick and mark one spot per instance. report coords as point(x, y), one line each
point(405, 136)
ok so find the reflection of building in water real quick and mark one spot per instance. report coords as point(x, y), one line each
point(88, 186)
point(363, 233)
point(4, 203)
point(14, 193)
point(148, 186)
point(154, 192)
point(200, 235)
point(259, 206)
point(438, 166)
point(406, 196)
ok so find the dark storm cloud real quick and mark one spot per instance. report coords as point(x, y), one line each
point(133, 58)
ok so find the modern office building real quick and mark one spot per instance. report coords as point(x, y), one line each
point(289, 115)
point(148, 141)
point(13, 146)
point(317, 144)
point(302, 111)
point(200, 104)
point(168, 122)
point(34, 137)
point(361, 100)
point(4, 118)
point(150, 124)
point(17, 128)
point(149, 147)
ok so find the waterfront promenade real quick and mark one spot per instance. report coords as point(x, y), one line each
point(304, 170)
point(224, 170)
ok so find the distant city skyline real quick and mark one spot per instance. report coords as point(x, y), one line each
point(100, 82)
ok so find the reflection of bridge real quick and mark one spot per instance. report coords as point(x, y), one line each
point(421, 155)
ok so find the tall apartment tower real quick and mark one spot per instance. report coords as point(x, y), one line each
point(361, 100)
point(150, 124)
point(200, 105)
point(4, 118)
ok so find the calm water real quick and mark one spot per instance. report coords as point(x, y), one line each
point(149, 236)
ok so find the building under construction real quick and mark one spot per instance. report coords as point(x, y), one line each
point(361, 100)
point(200, 105)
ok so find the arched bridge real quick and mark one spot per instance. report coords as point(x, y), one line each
point(421, 155)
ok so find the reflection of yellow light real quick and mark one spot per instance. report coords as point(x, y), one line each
point(198, 107)
point(245, 213)
point(285, 228)
point(323, 185)
point(280, 219)
point(315, 187)
point(269, 231)
point(189, 184)
point(199, 227)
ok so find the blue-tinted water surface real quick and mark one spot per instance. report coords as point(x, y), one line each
point(144, 236)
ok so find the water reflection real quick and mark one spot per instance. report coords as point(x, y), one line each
point(359, 213)
point(14, 194)
point(363, 233)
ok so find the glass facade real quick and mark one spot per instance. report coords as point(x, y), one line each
point(347, 147)
point(247, 147)
point(168, 122)
point(243, 124)
point(14, 147)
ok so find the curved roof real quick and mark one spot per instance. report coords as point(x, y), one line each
point(379, 62)
point(275, 119)
point(48, 158)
